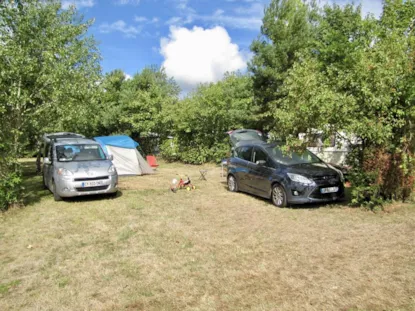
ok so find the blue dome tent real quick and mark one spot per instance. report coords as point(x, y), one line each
point(127, 160)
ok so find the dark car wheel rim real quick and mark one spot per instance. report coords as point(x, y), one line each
point(278, 196)
point(231, 183)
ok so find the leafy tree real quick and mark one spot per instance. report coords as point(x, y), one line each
point(288, 28)
point(357, 77)
point(49, 68)
point(139, 107)
point(145, 102)
point(110, 102)
point(201, 120)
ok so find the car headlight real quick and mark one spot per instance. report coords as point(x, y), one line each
point(64, 172)
point(300, 179)
point(112, 170)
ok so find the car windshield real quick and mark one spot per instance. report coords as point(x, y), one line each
point(246, 135)
point(81, 152)
point(292, 158)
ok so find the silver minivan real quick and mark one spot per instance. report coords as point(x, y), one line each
point(76, 166)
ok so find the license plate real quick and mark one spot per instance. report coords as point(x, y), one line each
point(92, 183)
point(329, 190)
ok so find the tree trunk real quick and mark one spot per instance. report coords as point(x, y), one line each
point(17, 125)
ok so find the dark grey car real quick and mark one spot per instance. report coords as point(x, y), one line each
point(298, 177)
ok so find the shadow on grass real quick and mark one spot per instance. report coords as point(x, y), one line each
point(95, 197)
point(34, 190)
point(311, 206)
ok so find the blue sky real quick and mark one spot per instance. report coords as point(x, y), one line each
point(195, 40)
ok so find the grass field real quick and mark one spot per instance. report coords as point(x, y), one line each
point(208, 249)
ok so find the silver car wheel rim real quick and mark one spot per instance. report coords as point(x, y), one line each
point(231, 183)
point(278, 196)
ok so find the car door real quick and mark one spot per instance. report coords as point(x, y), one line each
point(261, 172)
point(242, 158)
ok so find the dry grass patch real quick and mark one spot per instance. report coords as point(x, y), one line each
point(208, 249)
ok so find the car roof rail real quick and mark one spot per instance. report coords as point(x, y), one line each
point(53, 137)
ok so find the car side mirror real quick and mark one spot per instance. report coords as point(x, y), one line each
point(110, 157)
point(47, 161)
point(261, 162)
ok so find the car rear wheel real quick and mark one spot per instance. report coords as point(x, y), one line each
point(232, 184)
point(278, 196)
point(56, 196)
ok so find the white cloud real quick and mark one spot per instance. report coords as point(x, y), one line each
point(140, 19)
point(182, 4)
point(127, 2)
point(127, 76)
point(243, 17)
point(368, 6)
point(120, 26)
point(143, 19)
point(194, 56)
point(175, 20)
point(255, 9)
point(251, 22)
point(77, 3)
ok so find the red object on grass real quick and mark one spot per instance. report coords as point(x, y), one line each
point(151, 160)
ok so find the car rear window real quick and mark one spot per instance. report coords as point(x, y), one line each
point(246, 135)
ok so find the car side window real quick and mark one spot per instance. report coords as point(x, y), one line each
point(50, 153)
point(45, 150)
point(260, 155)
point(244, 153)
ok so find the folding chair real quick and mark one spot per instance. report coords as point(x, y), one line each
point(151, 160)
point(203, 174)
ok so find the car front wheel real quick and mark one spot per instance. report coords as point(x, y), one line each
point(232, 184)
point(278, 196)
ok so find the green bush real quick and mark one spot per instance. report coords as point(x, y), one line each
point(382, 176)
point(9, 190)
point(169, 150)
point(176, 150)
point(201, 120)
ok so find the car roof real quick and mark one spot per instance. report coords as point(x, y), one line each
point(243, 131)
point(75, 141)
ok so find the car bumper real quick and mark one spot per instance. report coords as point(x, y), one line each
point(70, 188)
point(314, 195)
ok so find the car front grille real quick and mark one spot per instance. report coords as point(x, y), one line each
point(325, 178)
point(86, 189)
point(91, 178)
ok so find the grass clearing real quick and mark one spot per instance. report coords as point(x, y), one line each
point(207, 249)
